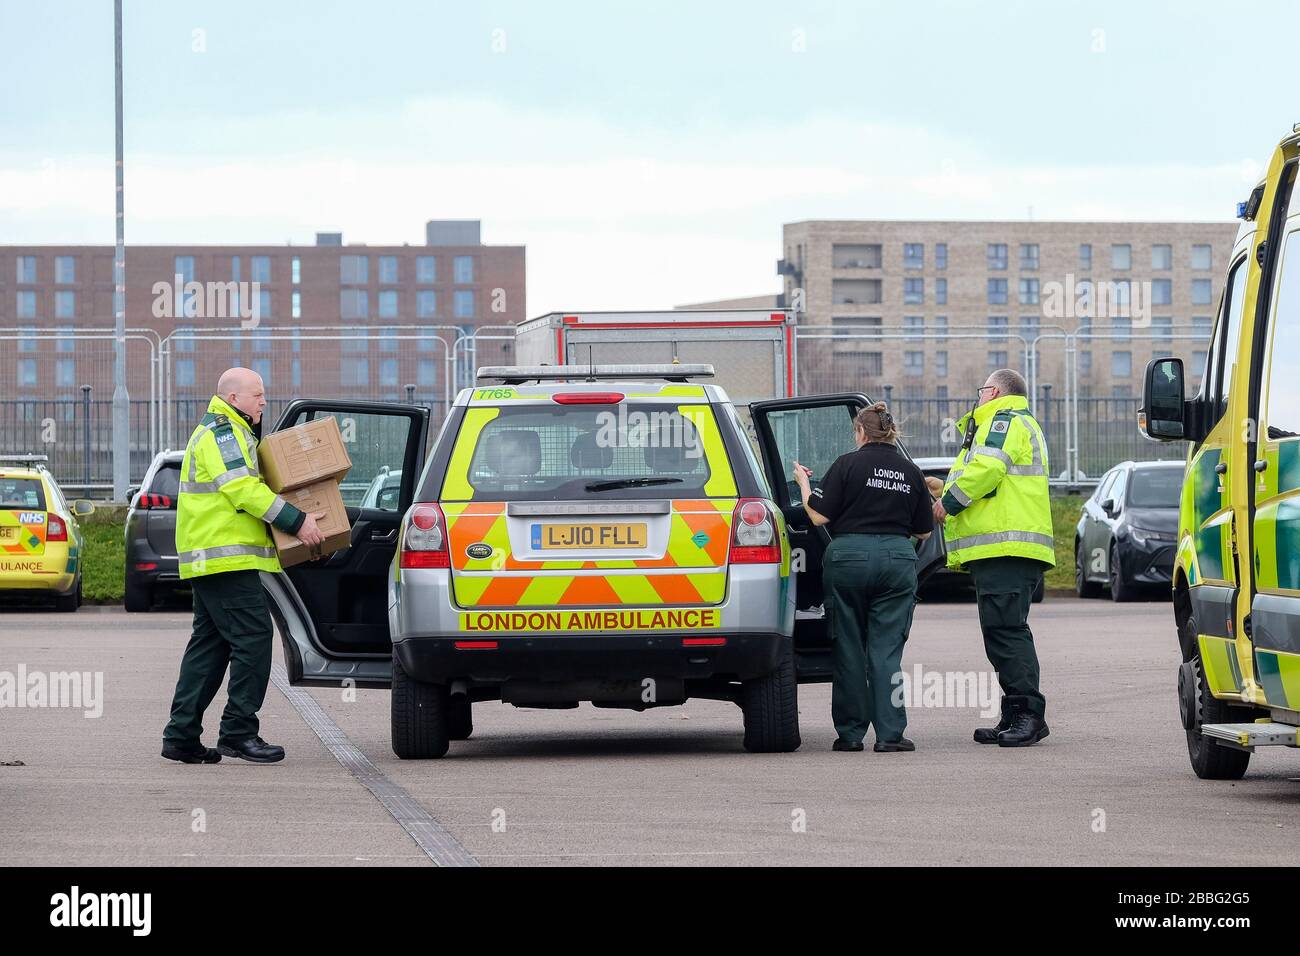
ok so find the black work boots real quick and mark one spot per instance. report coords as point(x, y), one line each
point(1019, 726)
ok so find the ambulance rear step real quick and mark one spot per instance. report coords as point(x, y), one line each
point(1266, 733)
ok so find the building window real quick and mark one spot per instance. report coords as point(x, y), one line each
point(185, 373)
point(65, 270)
point(66, 342)
point(1028, 291)
point(65, 373)
point(1085, 363)
point(426, 304)
point(426, 270)
point(1029, 255)
point(1121, 327)
point(463, 269)
point(387, 340)
point(295, 334)
point(940, 328)
point(1162, 291)
point(1198, 363)
point(1121, 364)
point(184, 266)
point(27, 340)
point(388, 304)
point(295, 373)
point(941, 255)
point(997, 291)
point(184, 274)
point(354, 304)
point(940, 291)
point(1202, 257)
point(234, 268)
point(26, 372)
point(464, 304)
point(1201, 292)
point(997, 255)
point(1121, 256)
point(354, 270)
point(997, 328)
point(355, 342)
point(261, 268)
point(264, 303)
point(295, 270)
point(262, 367)
point(427, 373)
point(261, 342)
point(184, 338)
point(295, 306)
point(355, 372)
point(1085, 257)
point(388, 270)
point(388, 372)
point(997, 360)
point(65, 304)
point(26, 304)
point(237, 342)
point(941, 364)
point(26, 269)
point(1201, 326)
point(1162, 327)
point(913, 255)
point(913, 291)
point(1162, 257)
point(914, 326)
point(1121, 391)
point(914, 363)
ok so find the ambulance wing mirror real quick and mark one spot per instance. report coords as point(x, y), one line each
point(1162, 415)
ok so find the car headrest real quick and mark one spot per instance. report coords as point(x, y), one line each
point(516, 452)
point(587, 452)
point(672, 460)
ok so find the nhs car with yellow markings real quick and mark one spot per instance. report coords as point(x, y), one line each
point(1236, 576)
point(40, 542)
point(605, 534)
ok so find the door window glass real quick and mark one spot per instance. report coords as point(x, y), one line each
point(377, 446)
point(814, 437)
point(1282, 402)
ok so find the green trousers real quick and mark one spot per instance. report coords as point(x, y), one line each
point(1004, 589)
point(232, 626)
point(870, 587)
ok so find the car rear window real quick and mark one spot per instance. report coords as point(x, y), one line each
point(166, 480)
point(524, 453)
point(25, 493)
point(1155, 488)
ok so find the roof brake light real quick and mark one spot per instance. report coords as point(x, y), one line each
point(588, 398)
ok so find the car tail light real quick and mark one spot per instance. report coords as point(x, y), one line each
point(55, 529)
point(476, 645)
point(146, 566)
point(424, 541)
point(154, 501)
point(753, 533)
point(588, 398)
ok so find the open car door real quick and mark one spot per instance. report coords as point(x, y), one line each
point(332, 613)
point(815, 430)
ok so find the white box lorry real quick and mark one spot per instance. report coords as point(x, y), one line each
point(752, 350)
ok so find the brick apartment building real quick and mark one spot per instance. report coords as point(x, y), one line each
point(956, 295)
point(453, 280)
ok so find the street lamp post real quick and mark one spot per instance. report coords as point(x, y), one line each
point(121, 399)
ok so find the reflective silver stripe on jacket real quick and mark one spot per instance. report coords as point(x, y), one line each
point(963, 499)
point(273, 512)
point(1035, 468)
point(211, 426)
point(208, 487)
point(225, 551)
point(998, 537)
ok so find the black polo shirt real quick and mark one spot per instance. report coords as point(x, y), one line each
point(874, 490)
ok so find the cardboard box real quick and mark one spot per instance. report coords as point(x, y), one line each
point(303, 455)
point(321, 496)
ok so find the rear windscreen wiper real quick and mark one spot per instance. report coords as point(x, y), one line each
point(630, 483)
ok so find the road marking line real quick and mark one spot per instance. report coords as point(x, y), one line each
point(438, 845)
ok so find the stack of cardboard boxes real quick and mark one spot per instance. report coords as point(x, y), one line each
point(304, 466)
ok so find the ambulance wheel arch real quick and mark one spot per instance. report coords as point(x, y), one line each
point(332, 613)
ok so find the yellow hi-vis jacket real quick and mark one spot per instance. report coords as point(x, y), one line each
point(996, 494)
point(223, 506)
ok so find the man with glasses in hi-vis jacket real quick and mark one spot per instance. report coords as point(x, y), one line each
point(222, 543)
point(997, 524)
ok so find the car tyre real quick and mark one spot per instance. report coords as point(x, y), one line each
point(770, 705)
point(138, 596)
point(1211, 761)
point(1082, 586)
point(419, 716)
point(460, 718)
point(67, 603)
point(1120, 589)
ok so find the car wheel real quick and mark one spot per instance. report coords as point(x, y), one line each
point(419, 716)
point(67, 603)
point(1211, 761)
point(138, 596)
point(1082, 586)
point(770, 705)
point(1120, 589)
point(460, 718)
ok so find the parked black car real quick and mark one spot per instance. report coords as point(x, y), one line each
point(1128, 530)
point(152, 571)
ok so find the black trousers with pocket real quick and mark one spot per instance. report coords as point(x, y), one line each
point(1004, 589)
point(232, 626)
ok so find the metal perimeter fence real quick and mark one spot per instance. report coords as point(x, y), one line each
point(61, 405)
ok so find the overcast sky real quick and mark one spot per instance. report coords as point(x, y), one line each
point(647, 155)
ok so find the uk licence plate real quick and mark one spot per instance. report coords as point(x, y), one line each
point(547, 537)
point(9, 533)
